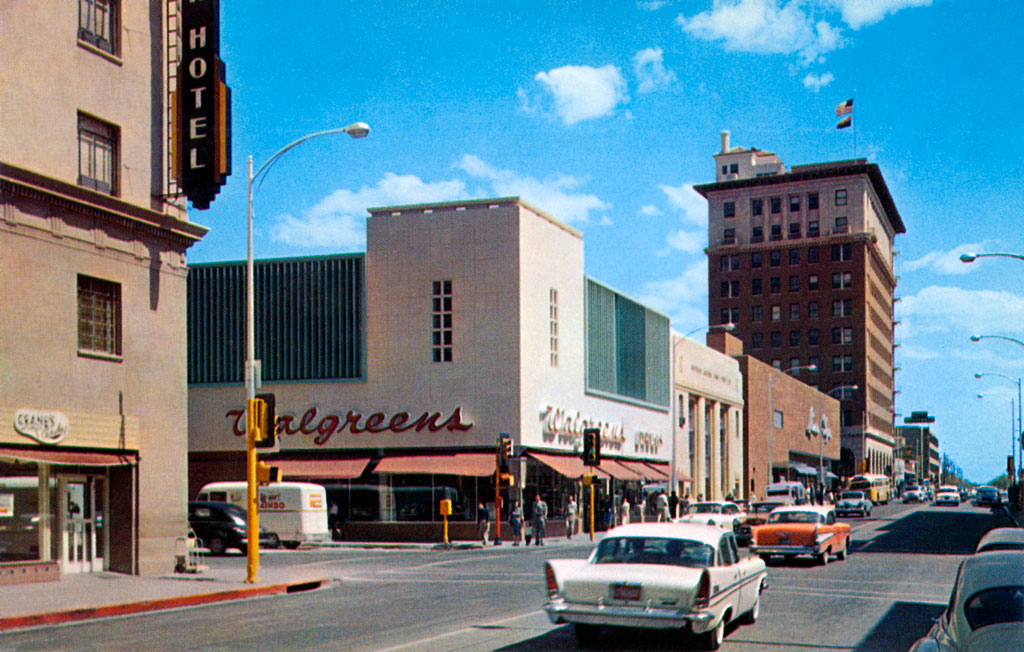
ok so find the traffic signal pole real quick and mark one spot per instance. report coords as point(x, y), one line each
point(497, 507)
point(252, 512)
point(592, 503)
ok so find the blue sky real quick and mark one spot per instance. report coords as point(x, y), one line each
point(605, 113)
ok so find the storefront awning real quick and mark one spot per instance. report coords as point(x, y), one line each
point(619, 471)
point(474, 464)
point(662, 468)
point(344, 469)
point(69, 458)
point(646, 472)
point(568, 465)
point(803, 469)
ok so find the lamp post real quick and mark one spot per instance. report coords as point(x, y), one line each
point(1013, 437)
point(355, 130)
point(771, 413)
point(728, 327)
point(1020, 429)
point(821, 430)
point(1013, 434)
point(970, 257)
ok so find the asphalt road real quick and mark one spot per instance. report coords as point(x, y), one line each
point(880, 599)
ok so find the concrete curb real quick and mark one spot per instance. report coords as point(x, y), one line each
point(160, 604)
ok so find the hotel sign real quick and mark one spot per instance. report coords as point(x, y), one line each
point(203, 105)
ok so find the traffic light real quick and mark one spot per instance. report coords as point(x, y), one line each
point(504, 453)
point(267, 423)
point(592, 447)
point(265, 474)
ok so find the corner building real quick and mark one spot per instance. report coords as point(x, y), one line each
point(801, 261)
point(93, 446)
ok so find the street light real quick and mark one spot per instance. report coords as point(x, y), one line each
point(771, 413)
point(1013, 434)
point(728, 327)
point(355, 130)
point(970, 257)
point(821, 430)
point(978, 338)
point(1013, 438)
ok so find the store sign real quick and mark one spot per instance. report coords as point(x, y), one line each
point(568, 424)
point(323, 428)
point(44, 427)
point(647, 442)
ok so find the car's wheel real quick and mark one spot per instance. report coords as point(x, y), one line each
point(291, 545)
point(216, 546)
point(841, 555)
point(586, 635)
point(751, 616)
point(274, 541)
point(713, 640)
point(823, 557)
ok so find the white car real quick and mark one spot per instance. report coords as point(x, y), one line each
point(854, 502)
point(1001, 538)
point(724, 514)
point(986, 608)
point(948, 495)
point(683, 576)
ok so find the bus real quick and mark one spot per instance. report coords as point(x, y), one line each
point(875, 486)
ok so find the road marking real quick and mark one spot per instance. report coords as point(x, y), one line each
point(885, 597)
point(464, 630)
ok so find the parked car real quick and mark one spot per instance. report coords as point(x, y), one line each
point(986, 607)
point(1001, 538)
point(724, 514)
point(802, 530)
point(297, 511)
point(853, 502)
point(987, 497)
point(913, 495)
point(683, 576)
point(222, 526)
point(948, 495)
point(756, 515)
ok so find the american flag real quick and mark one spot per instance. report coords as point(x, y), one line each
point(844, 108)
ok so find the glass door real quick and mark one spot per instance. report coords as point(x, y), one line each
point(81, 510)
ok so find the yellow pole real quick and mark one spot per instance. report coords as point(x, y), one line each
point(252, 512)
point(445, 529)
point(592, 504)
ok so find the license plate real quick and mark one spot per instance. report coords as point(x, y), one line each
point(784, 539)
point(626, 592)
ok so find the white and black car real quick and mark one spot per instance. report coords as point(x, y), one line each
point(852, 503)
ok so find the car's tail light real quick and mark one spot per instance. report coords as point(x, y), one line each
point(549, 575)
point(703, 597)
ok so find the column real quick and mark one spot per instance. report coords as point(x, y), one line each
point(699, 472)
point(715, 470)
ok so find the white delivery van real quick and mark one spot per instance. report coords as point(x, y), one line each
point(792, 493)
point(295, 511)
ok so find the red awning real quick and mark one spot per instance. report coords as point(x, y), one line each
point(344, 469)
point(69, 458)
point(568, 465)
point(663, 469)
point(642, 469)
point(472, 464)
point(619, 471)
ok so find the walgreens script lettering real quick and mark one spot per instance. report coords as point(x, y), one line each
point(375, 423)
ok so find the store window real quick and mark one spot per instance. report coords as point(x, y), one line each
point(553, 325)
point(99, 316)
point(441, 302)
point(98, 24)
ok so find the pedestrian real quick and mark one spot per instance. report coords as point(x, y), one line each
point(570, 517)
point(540, 519)
point(673, 504)
point(624, 510)
point(515, 521)
point(642, 506)
point(483, 523)
point(662, 504)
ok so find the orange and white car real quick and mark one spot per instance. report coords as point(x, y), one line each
point(802, 530)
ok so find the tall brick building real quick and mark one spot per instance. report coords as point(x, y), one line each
point(801, 261)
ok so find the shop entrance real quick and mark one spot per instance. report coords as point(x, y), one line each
point(82, 510)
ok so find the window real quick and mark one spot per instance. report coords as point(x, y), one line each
point(778, 413)
point(794, 283)
point(794, 203)
point(842, 308)
point(776, 258)
point(725, 169)
point(812, 254)
point(794, 339)
point(837, 281)
point(723, 264)
point(755, 313)
point(776, 313)
point(776, 203)
point(841, 197)
point(794, 256)
point(724, 290)
point(847, 307)
point(776, 232)
point(837, 334)
point(812, 201)
point(776, 339)
point(755, 259)
point(757, 340)
point(729, 209)
point(814, 361)
point(755, 286)
point(729, 236)
point(813, 231)
point(553, 325)
point(840, 225)
point(99, 316)
point(812, 336)
point(757, 207)
point(97, 155)
point(842, 363)
point(794, 311)
point(794, 230)
point(734, 262)
point(812, 309)
point(847, 336)
point(794, 362)
point(442, 320)
point(724, 316)
point(812, 282)
point(757, 234)
point(775, 285)
point(98, 24)
point(734, 317)
point(842, 280)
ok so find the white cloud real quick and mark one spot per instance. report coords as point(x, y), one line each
point(653, 5)
point(946, 262)
point(651, 74)
point(817, 82)
point(650, 210)
point(581, 92)
point(857, 13)
point(551, 195)
point(683, 298)
point(941, 309)
point(686, 199)
point(338, 221)
point(690, 242)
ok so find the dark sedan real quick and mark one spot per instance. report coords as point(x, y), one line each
point(221, 526)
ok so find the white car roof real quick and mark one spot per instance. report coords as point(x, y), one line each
point(701, 532)
point(985, 571)
point(817, 509)
point(1002, 535)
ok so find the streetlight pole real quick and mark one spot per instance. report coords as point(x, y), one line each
point(1019, 438)
point(355, 130)
point(821, 431)
point(1014, 435)
point(970, 257)
point(771, 414)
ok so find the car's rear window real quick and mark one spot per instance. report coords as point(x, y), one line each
point(795, 517)
point(1004, 604)
point(655, 550)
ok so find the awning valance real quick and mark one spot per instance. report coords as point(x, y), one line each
point(568, 465)
point(663, 469)
point(344, 469)
point(471, 464)
point(69, 458)
point(619, 471)
point(803, 469)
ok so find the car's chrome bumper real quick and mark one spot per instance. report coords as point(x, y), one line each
point(561, 611)
point(783, 550)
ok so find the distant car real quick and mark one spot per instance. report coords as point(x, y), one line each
point(948, 495)
point(986, 607)
point(756, 515)
point(221, 526)
point(1001, 538)
point(913, 495)
point(684, 576)
point(724, 514)
point(987, 497)
point(802, 530)
point(853, 502)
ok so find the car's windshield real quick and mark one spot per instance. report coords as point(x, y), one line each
point(704, 508)
point(764, 508)
point(795, 517)
point(853, 495)
point(654, 550)
point(1004, 604)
